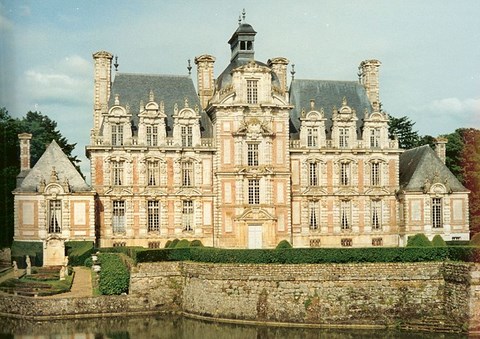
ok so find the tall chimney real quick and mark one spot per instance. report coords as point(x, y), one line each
point(24, 151)
point(440, 148)
point(279, 66)
point(368, 73)
point(205, 80)
point(102, 85)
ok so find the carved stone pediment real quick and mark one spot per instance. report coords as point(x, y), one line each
point(256, 170)
point(118, 191)
point(346, 191)
point(253, 129)
point(255, 213)
point(314, 190)
point(188, 191)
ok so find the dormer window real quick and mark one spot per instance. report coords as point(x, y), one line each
point(117, 134)
point(343, 137)
point(375, 138)
point(152, 135)
point(187, 136)
point(312, 137)
point(252, 91)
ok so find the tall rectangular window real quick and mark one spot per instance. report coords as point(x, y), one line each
point(152, 135)
point(312, 137)
point(187, 173)
point(313, 215)
point(252, 154)
point(313, 173)
point(253, 191)
point(187, 215)
point(375, 138)
point(252, 91)
point(345, 173)
point(117, 134)
point(153, 216)
point(118, 216)
point(54, 216)
point(345, 215)
point(437, 213)
point(153, 173)
point(375, 173)
point(187, 136)
point(117, 173)
point(376, 215)
point(343, 137)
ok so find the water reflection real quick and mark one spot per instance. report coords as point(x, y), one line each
point(173, 327)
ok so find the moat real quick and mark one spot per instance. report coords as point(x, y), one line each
point(166, 326)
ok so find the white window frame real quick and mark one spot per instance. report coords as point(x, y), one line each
point(252, 154)
point(117, 173)
point(253, 191)
point(152, 135)
point(312, 137)
point(252, 91)
point(54, 216)
point(375, 173)
point(345, 177)
point(375, 137)
point(313, 215)
point(437, 212)
point(117, 134)
point(187, 135)
point(153, 173)
point(187, 174)
point(118, 216)
point(313, 171)
point(343, 137)
point(187, 215)
point(153, 215)
point(345, 214)
point(376, 214)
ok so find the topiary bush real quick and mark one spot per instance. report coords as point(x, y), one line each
point(438, 241)
point(167, 244)
point(418, 240)
point(114, 276)
point(196, 243)
point(173, 244)
point(183, 244)
point(283, 245)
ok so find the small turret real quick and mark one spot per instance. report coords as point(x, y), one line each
point(241, 42)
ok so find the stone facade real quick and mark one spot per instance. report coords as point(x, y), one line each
point(248, 160)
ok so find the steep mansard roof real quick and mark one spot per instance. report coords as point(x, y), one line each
point(421, 163)
point(53, 158)
point(327, 94)
point(171, 89)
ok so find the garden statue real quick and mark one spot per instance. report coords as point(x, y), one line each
point(62, 273)
point(15, 269)
point(29, 265)
point(66, 265)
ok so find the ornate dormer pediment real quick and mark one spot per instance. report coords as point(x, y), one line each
point(255, 213)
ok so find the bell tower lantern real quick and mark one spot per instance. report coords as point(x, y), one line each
point(241, 42)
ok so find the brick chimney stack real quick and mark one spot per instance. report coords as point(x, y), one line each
point(279, 66)
point(24, 151)
point(102, 86)
point(205, 79)
point(441, 149)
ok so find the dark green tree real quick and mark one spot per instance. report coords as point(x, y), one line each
point(44, 130)
point(402, 129)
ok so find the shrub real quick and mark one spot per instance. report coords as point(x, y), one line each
point(130, 251)
point(88, 262)
point(438, 241)
point(167, 244)
point(283, 244)
point(78, 252)
point(34, 249)
point(173, 244)
point(475, 241)
point(196, 243)
point(182, 243)
point(418, 240)
point(114, 276)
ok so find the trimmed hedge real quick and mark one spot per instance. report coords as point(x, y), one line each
point(312, 255)
point(438, 241)
point(283, 244)
point(130, 251)
point(34, 249)
point(114, 276)
point(182, 243)
point(196, 243)
point(78, 251)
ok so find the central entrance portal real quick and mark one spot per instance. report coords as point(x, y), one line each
point(254, 236)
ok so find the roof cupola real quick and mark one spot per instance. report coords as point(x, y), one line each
point(241, 42)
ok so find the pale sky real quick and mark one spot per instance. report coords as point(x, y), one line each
point(430, 51)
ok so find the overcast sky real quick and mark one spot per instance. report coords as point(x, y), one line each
point(430, 50)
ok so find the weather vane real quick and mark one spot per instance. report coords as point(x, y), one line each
point(116, 63)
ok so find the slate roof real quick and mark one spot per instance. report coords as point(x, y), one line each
point(53, 157)
point(326, 94)
point(420, 163)
point(171, 89)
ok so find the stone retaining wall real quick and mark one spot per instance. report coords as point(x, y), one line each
point(433, 296)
